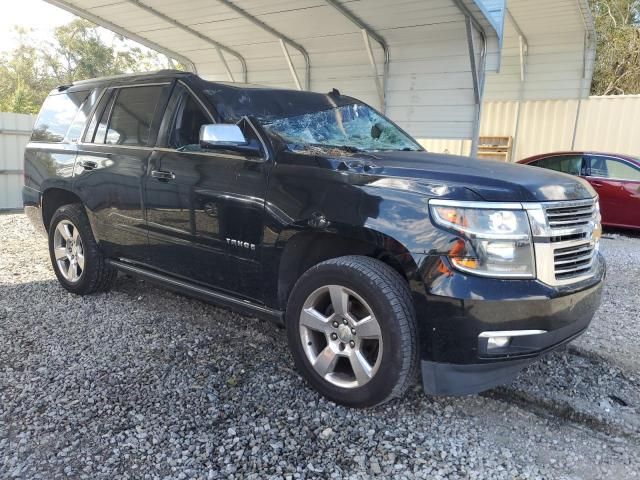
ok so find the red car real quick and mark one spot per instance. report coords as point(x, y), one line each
point(615, 177)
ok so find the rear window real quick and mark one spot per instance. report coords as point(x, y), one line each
point(56, 116)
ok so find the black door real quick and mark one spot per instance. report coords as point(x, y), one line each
point(204, 208)
point(111, 166)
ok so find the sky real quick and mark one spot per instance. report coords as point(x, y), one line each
point(36, 14)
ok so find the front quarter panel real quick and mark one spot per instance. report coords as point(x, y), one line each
point(390, 214)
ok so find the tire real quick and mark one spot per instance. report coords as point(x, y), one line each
point(363, 287)
point(70, 229)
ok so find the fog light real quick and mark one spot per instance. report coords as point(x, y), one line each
point(498, 342)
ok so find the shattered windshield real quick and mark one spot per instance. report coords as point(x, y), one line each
point(353, 127)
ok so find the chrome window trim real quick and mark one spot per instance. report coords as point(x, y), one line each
point(114, 145)
point(169, 150)
point(211, 154)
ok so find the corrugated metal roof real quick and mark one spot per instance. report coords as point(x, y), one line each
point(429, 89)
point(561, 52)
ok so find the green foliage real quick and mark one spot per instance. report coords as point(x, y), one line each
point(77, 51)
point(617, 69)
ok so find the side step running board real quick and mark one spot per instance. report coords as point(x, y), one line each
point(222, 299)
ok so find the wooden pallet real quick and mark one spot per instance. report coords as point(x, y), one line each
point(495, 148)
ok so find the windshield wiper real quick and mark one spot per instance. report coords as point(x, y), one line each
point(349, 148)
point(323, 146)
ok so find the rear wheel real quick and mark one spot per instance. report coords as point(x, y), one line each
point(77, 261)
point(351, 329)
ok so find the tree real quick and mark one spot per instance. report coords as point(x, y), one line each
point(617, 68)
point(78, 50)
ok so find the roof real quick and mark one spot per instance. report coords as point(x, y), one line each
point(232, 101)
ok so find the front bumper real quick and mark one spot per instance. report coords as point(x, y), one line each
point(458, 310)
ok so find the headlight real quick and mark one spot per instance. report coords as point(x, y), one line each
point(500, 239)
point(597, 225)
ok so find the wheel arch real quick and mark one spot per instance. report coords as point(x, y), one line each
point(304, 249)
point(52, 199)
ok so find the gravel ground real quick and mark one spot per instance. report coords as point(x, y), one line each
point(145, 383)
point(615, 331)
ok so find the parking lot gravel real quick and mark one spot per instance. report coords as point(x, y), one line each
point(141, 382)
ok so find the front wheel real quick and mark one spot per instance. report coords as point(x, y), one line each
point(351, 329)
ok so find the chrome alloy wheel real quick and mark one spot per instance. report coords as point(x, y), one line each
point(68, 251)
point(341, 336)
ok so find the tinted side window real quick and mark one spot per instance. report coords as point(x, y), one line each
point(132, 115)
point(56, 116)
point(189, 117)
point(76, 128)
point(612, 168)
point(104, 113)
point(571, 164)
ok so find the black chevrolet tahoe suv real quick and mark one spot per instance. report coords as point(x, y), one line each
point(317, 212)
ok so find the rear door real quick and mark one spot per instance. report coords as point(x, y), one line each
point(618, 185)
point(204, 208)
point(112, 162)
point(51, 153)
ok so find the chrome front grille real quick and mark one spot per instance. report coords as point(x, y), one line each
point(566, 238)
point(570, 217)
point(573, 261)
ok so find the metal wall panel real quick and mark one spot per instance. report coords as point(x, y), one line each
point(606, 124)
point(448, 146)
point(610, 124)
point(15, 130)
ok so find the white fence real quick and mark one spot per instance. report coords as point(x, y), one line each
point(15, 130)
point(606, 124)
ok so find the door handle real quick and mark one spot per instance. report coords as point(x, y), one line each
point(89, 164)
point(163, 175)
point(596, 184)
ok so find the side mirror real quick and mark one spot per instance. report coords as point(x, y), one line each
point(229, 137)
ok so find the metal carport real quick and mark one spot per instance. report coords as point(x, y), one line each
point(421, 61)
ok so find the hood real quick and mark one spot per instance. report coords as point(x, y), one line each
point(491, 180)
